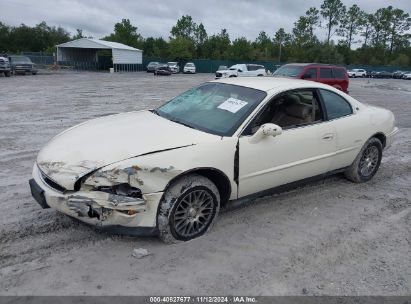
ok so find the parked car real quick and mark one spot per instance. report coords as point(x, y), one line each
point(382, 74)
point(398, 74)
point(174, 68)
point(334, 76)
point(242, 70)
point(189, 67)
point(5, 66)
point(218, 142)
point(22, 65)
point(162, 69)
point(407, 75)
point(357, 73)
point(151, 67)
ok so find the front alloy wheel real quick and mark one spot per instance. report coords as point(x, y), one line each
point(193, 213)
point(188, 208)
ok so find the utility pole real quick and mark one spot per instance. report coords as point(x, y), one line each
point(279, 53)
point(281, 44)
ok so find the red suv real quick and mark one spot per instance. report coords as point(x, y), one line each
point(329, 74)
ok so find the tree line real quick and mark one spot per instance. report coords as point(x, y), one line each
point(353, 36)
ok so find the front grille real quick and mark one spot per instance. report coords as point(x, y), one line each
point(51, 183)
point(23, 66)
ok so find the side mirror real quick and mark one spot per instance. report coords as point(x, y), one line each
point(267, 129)
point(240, 70)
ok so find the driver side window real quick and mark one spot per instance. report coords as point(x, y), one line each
point(289, 110)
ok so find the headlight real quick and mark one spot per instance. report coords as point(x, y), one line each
point(121, 189)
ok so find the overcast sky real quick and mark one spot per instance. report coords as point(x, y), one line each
point(155, 17)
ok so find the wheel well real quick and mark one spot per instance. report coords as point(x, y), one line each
point(381, 137)
point(216, 176)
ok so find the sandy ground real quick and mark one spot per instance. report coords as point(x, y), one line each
point(330, 237)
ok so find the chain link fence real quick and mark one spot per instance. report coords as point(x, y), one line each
point(45, 60)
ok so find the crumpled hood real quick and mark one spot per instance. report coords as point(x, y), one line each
point(103, 141)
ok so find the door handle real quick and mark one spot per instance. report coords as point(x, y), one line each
point(328, 136)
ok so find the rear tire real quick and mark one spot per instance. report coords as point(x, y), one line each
point(188, 209)
point(366, 163)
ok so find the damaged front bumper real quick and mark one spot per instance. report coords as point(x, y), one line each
point(100, 209)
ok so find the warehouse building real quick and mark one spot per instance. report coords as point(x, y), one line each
point(94, 54)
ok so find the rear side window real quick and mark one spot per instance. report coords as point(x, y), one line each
point(339, 73)
point(251, 67)
point(335, 105)
point(326, 73)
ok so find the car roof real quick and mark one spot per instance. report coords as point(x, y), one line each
point(271, 83)
point(314, 64)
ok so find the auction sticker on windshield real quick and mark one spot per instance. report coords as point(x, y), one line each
point(232, 105)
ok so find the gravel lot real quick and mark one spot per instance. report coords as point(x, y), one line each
point(330, 237)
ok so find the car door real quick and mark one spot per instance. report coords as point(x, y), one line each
point(302, 150)
point(326, 76)
point(250, 70)
point(310, 74)
point(346, 125)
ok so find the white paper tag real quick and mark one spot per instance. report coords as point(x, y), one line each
point(232, 105)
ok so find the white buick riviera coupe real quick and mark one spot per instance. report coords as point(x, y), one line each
point(167, 171)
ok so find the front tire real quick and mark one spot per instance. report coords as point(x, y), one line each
point(366, 163)
point(188, 209)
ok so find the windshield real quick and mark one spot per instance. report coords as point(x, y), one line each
point(189, 64)
point(153, 63)
point(172, 63)
point(289, 71)
point(215, 108)
point(20, 60)
point(234, 67)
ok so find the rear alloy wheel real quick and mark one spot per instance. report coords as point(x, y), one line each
point(188, 209)
point(366, 163)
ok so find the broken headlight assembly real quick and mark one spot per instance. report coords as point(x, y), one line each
point(121, 189)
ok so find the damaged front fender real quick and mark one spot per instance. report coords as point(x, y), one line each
point(146, 178)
